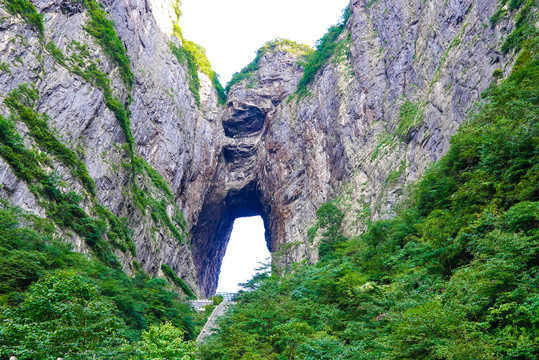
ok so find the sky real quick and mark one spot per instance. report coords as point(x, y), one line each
point(246, 249)
point(232, 31)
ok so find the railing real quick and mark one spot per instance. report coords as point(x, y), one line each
point(228, 296)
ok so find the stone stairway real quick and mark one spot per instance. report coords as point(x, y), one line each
point(212, 324)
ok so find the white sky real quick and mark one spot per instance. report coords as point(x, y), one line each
point(231, 31)
point(247, 247)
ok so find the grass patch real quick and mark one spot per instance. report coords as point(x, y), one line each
point(56, 53)
point(496, 17)
point(396, 174)
point(4, 67)
point(157, 179)
point(384, 140)
point(193, 56)
point(102, 29)
point(198, 54)
point(410, 115)
point(160, 216)
point(187, 59)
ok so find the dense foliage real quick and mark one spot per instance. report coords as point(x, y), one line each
point(90, 308)
point(455, 275)
point(162, 342)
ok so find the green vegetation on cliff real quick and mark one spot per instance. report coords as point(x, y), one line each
point(454, 275)
point(102, 29)
point(21, 102)
point(54, 301)
point(193, 56)
point(28, 12)
point(169, 273)
point(82, 64)
point(62, 207)
point(275, 45)
point(524, 22)
point(325, 48)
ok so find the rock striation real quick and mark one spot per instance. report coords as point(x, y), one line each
point(382, 108)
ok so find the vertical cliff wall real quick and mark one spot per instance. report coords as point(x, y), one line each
point(120, 108)
point(122, 120)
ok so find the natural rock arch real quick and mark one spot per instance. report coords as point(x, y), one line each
point(236, 188)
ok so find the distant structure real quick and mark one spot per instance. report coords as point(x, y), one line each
point(228, 296)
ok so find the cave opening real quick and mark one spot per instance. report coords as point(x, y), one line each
point(247, 250)
point(211, 234)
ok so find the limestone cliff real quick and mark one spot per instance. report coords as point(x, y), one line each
point(381, 109)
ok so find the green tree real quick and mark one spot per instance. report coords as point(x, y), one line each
point(62, 315)
point(162, 342)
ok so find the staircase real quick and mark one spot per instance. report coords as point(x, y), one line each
point(212, 324)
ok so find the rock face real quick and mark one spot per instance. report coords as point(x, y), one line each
point(348, 139)
point(171, 132)
point(374, 117)
point(235, 187)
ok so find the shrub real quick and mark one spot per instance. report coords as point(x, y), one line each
point(169, 273)
point(217, 299)
point(162, 342)
point(497, 74)
point(409, 116)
